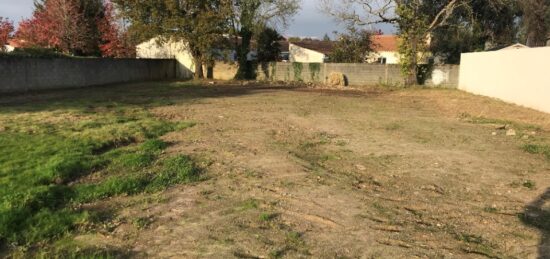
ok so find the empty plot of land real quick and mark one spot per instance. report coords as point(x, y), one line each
point(291, 172)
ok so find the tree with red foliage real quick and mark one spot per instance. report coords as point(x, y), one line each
point(77, 27)
point(58, 24)
point(6, 29)
point(115, 42)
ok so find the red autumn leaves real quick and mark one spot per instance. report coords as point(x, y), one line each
point(76, 27)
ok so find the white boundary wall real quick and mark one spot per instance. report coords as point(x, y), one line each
point(520, 76)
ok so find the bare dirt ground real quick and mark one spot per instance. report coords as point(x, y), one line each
point(309, 173)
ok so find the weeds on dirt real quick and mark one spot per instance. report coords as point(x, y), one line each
point(69, 248)
point(538, 149)
point(268, 216)
point(394, 126)
point(293, 242)
point(490, 210)
point(476, 244)
point(484, 120)
point(531, 185)
point(249, 204)
point(142, 222)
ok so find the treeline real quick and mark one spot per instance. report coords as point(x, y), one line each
point(211, 24)
point(448, 27)
point(444, 28)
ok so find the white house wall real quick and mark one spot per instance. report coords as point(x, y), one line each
point(303, 55)
point(171, 50)
point(518, 76)
point(180, 52)
point(8, 48)
point(392, 57)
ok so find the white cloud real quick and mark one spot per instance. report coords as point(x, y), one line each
point(16, 10)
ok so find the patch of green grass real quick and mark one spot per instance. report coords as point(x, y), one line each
point(48, 151)
point(175, 170)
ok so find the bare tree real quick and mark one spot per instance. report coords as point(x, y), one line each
point(415, 19)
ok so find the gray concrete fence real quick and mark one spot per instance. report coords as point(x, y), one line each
point(445, 76)
point(19, 74)
point(356, 74)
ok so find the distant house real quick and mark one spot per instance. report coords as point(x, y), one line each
point(179, 50)
point(7, 48)
point(310, 51)
point(386, 49)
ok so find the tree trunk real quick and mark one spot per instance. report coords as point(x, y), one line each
point(210, 70)
point(245, 70)
point(413, 63)
point(199, 74)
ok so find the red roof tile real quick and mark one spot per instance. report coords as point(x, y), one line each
point(385, 42)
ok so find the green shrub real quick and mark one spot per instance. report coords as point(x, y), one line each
point(34, 53)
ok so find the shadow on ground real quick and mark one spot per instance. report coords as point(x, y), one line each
point(151, 94)
point(537, 214)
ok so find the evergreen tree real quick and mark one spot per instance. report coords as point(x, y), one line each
point(269, 47)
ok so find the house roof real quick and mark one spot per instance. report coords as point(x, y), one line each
point(515, 46)
point(324, 47)
point(385, 43)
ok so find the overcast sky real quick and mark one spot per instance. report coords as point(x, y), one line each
point(310, 22)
